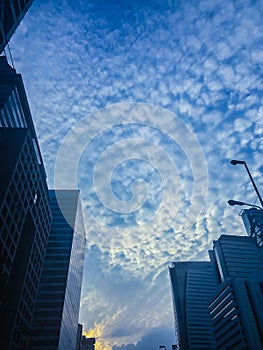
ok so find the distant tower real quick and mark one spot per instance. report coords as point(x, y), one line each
point(84, 343)
point(55, 324)
point(25, 217)
point(79, 336)
point(88, 343)
point(193, 284)
point(11, 14)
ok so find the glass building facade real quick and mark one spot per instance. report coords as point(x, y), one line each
point(219, 304)
point(25, 217)
point(236, 308)
point(57, 308)
point(193, 284)
point(238, 256)
point(236, 311)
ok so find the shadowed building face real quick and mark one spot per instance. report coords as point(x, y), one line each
point(193, 284)
point(57, 308)
point(24, 211)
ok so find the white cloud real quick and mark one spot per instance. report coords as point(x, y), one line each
point(201, 61)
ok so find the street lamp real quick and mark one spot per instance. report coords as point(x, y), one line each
point(232, 202)
point(235, 162)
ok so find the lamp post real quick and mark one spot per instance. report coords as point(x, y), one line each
point(232, 202)
point(235, 162)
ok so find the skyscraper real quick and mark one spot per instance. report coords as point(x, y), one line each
point(56, 313)
point(193, 284)
point(236, 311)
point(238, 256)
point(236, 308)
point(11, 14)
point(219, 304)
point(87, 343)
point(83, 342)
point(25, 217)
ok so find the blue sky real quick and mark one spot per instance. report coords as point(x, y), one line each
point(142, 104)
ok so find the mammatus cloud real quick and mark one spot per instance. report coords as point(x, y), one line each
point(201, 61)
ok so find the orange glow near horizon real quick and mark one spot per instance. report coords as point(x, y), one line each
point(96, 332)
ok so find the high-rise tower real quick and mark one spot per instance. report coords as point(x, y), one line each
point(219, 304)
point(193, 284)
point(25, 217)
point(236, 308)
point(57, 308)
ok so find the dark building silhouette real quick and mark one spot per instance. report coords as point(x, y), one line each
point(193, 284)
point(83, 342)
point(79, 336)
point(87, 343)
point(41, 235)
point(55, 324)
point(25, 217)
point(236, 308)
point(11, 14)
point(228, 300)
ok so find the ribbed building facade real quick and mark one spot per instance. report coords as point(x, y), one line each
point(219, 304)
point(236, 314)
point(57, 308)
point(25, 217)
point(238, 256)
point(193, 284)
point(236, 308)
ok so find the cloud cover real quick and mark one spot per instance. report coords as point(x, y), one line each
point(201, 61)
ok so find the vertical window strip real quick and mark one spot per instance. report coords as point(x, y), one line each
point(19, 108)
point(7, 116)
point(37, 151)
point(12, 112)
point(2, 119)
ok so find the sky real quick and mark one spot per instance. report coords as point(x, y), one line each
point(142, 105)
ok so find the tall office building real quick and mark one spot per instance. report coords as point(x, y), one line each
point(236, 311)
point(238, 256)
point(87, 343)
point(83, 342)
point(219, 304)
point(253, 222)
point(79, 336)
point(193, 284)
point(25, 217)
point(236, 308)
point(11, 14)
point(56, 313)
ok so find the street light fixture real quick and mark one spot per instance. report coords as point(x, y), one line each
point(232, 202)
point(235, 162)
